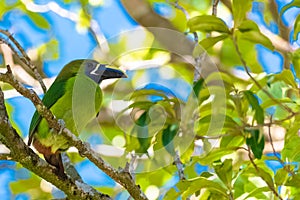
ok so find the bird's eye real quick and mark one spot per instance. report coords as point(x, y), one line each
point(90, 65)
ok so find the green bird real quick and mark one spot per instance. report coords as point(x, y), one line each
point(74, 97)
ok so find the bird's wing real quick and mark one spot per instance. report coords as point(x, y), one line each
point(55, 92)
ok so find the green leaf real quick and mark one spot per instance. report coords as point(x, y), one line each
point(256, 141)
point(49, 50)
point(215, 154)
point(281, 176)
point(267, 177)
point(39, 20)
point(270, 102)
point(5, 7)
point(286, 76)
point(296, 62)
point(167, 137)
point(211, 41)
point(290, 151)
point(296, 27)
point(257, 192)
point(250, 31)
point(207, 23)
point(244, 184)
point(144, 105)
point(189, 187)
point(31, 186)
point(259, 112)
point(248, 25)
point(294, 3)
point(197, 86)
point(142, 132)
point(84, 20)
point(239, 10)
point(224, 172)
point(294, 181)
point(232, 141)
point(145, 92)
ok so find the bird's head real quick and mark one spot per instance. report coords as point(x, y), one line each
point(92, 69)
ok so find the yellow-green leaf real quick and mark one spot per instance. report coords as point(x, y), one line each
point(294, 3)
point(239, 10)
point(296, 62)
point(211, 41)
point(207, 23)
point(296, 27)
point(259, 38)
point(39, 20)
point(259, 112)
point(286, 76)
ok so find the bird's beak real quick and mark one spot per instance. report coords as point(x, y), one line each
point(113, 73)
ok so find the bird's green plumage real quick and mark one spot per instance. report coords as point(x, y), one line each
point(55, 92)
point(75, 97)
point(71, 107)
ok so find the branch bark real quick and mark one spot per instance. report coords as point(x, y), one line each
point(143, 14)
point(23, 57)
point(120, 176)
point(21, 153)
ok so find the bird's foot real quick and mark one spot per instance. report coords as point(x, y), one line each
point(62, 125)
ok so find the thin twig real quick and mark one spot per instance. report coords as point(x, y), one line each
point(179, 165)
point(23, 57)
point(256, 82)
point(214, 7)
point(271, 187)
point(274, 151)
point(54, 7)
point(179, 7)
point(198, 59)
point(284, 31)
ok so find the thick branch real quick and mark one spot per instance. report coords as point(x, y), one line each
point(21, 153)
point(123, 178)
point(142, 13)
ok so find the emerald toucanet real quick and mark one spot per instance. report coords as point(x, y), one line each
point(74, 97)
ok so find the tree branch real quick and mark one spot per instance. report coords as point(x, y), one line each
point(23, 57)
point(284, 31)
point(198, 58)
point(5, 156)
point(274, 151)
point(214, 7)
point(120, 176)
point(94, 27)
point(179, 166)
point(256, 82)
point(21, 153)
point(258, 170)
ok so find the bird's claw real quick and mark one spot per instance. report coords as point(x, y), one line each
point(62, 125)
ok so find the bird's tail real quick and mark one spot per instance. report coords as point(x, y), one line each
point(55, 160)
